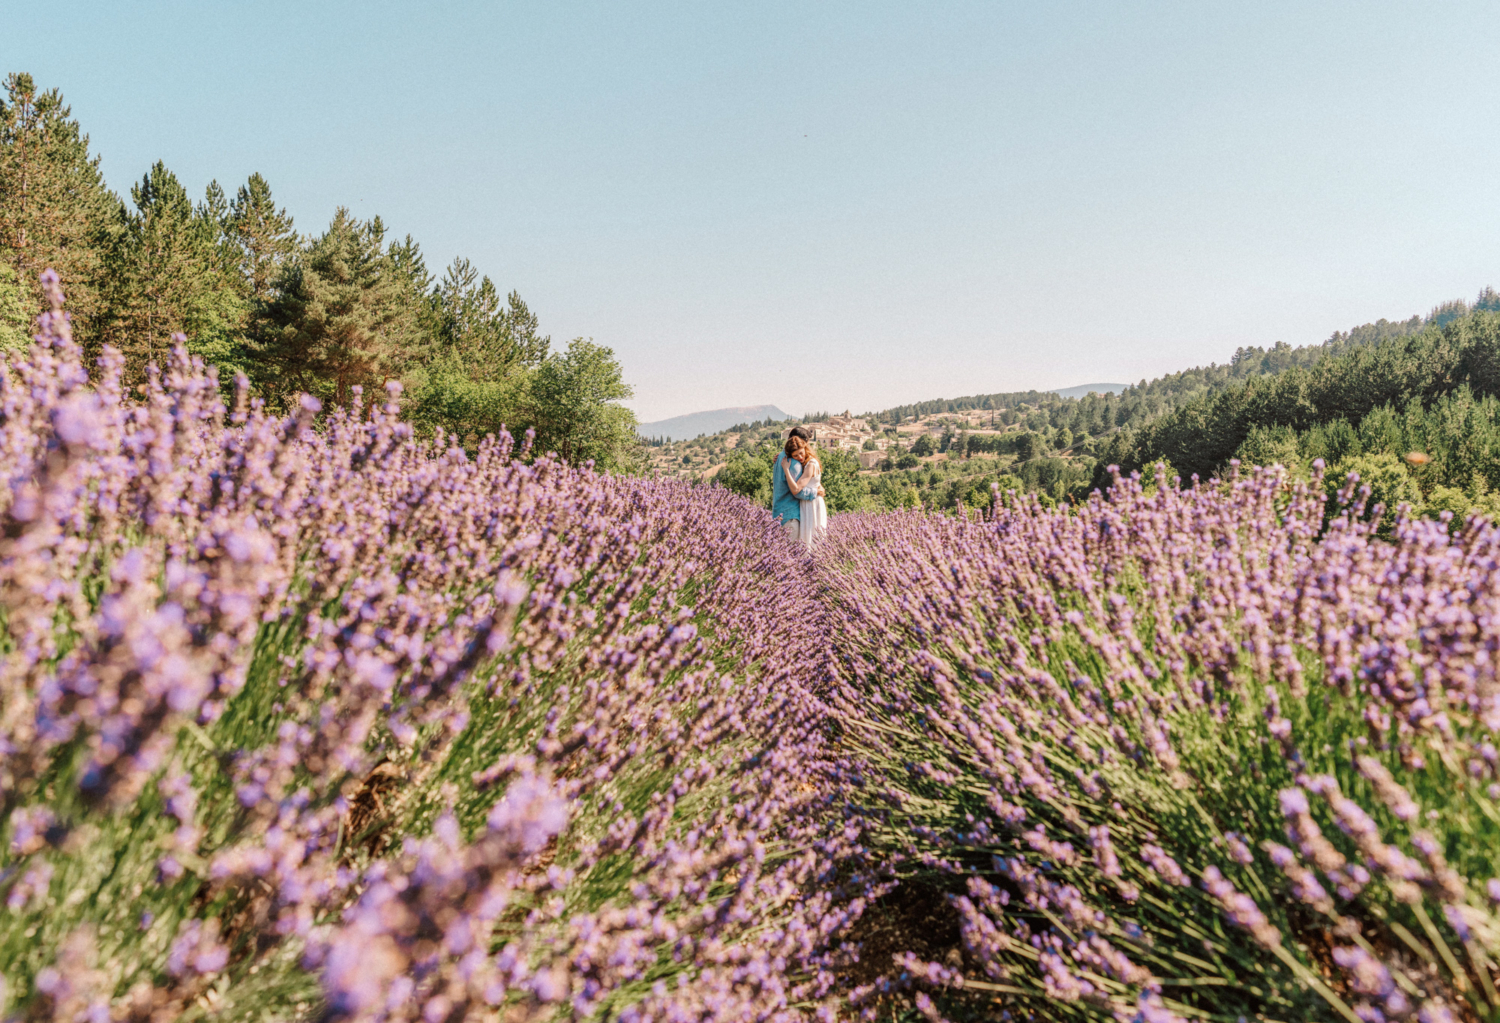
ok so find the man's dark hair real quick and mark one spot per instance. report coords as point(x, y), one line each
point(797, 431)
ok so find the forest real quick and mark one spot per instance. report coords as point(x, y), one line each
point(1417, 414)
point(331, 313)
point(1147, 400)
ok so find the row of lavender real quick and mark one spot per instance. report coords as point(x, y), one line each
point(331, 722)
point(1183, 755)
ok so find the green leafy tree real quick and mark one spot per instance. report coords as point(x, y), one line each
point(575, 410)
point(479, 359)
point(442, 395)
point(483, 364)
point(1478, 500)
point(1390, 486)
point(843, 490)
point(748, 473)
point(1452, 500)
point(1027, 447)
point(1271, 445)
point(55, 210)
point(965, 495)
point(923, 446)
point(1161, 473)
point(900, 495)
point(342, 315)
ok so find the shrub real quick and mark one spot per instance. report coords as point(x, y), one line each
point(1273, 445)
point(843, 489)
point(1377, 484)
point(748, 473)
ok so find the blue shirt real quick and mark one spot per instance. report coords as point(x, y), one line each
point(786, 505)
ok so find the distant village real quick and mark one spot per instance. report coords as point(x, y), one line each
point(870, 445)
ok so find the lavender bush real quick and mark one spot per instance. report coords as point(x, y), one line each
point(1179, 755)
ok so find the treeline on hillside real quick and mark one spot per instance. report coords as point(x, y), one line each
point(1418, 416)
point(1362, 401)
point(321, 313)
point(758, 424)
point(1024, 462)
point(1141, 403)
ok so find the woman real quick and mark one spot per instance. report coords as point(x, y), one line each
point(815, 511)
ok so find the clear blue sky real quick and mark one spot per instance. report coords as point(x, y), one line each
point(827, 205)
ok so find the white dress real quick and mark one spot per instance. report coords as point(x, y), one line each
point(814, 513)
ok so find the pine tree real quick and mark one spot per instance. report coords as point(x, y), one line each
point(488, 338)
point(340, 315)
point(167, 275)
point(528, 344)
point(55, 210)
point(262, 235)
point(217, 216)
point(418, 295)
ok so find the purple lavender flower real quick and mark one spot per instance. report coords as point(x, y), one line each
point(1240, 908)
point(1165, 867)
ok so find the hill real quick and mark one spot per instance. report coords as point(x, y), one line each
point(1085, 389)
point(717, 420)
point(1433, 394)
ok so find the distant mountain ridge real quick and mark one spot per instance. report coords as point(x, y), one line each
point(713, 421)
point(1083, 389)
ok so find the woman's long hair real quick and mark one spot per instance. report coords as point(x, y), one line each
point(801, 450)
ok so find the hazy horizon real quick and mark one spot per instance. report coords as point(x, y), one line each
point(758, 410)
point(840, 205)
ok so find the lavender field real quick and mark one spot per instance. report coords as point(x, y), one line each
point(307, 718)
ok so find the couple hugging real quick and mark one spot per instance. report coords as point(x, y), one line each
point(797, 492)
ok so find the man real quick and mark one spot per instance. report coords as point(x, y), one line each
point(786, 505)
